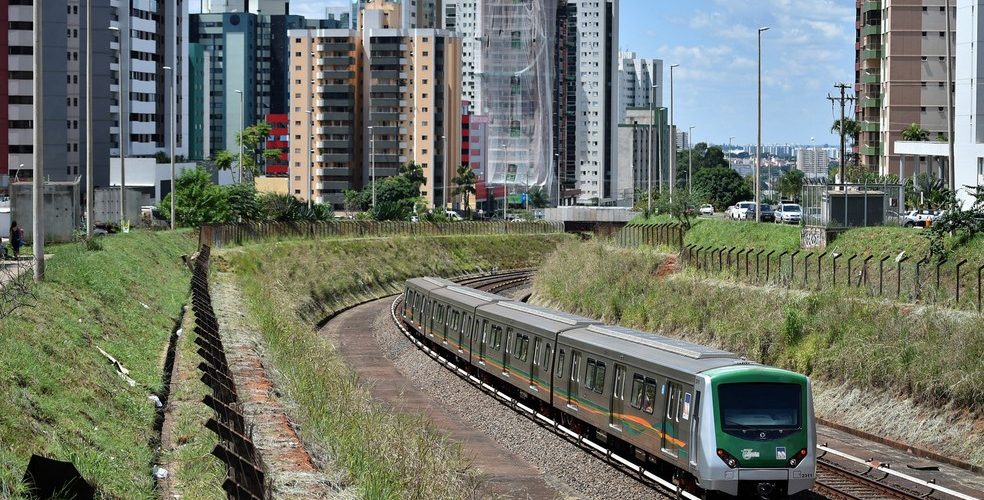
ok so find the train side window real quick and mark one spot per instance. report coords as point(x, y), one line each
point(685, 409)
point(618, 388)
point(649, 398)
point(547, 357)
point(638, 384)
point(560, 364)
point(575, 361)
point(509, 338)
point(454, 321)
point(526, 348)
point(673, 402)
point(536, 352)
point(599, 385)
point(497, 337)
point(589, 374)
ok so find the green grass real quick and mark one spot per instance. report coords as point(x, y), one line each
point(291, 286)
point(743, 234)
point(933, 355)
point(653, 219)
point(195, 472)
point(59, 397)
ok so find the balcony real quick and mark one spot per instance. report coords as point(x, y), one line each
point(870, 5)
point(871, 150)
point(333, 144)
point(871, 102)
point(871, 54)
point(336, 75)
point(871, 29)
point(870, 78)
point(870, 126)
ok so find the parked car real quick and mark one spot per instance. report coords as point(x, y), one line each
point(920, 218)
point(766, 213)
point(707, 209)
point(730, 212)
point(788, 213)
point(745, 210)
point(452, 215)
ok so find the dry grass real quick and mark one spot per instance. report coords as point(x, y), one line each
point(291, 286)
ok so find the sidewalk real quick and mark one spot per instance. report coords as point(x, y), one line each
point(11, 269)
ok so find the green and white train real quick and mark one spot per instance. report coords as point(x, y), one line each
point(704, 417)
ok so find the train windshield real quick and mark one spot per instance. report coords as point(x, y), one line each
point(760, 406)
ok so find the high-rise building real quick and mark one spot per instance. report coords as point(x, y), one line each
point(683, 139)
point(636, 78)
point(813, 162)
point(968, 105)
point(465, 18)
point(565, 103)
point(900, 75)
point(405, 84)
point(641, 139)
point(248, 50)
point(597, 106)
point(157, 31)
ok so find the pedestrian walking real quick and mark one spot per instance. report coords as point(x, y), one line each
point(16, 239)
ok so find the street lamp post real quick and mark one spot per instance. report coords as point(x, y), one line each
point(444, 174)
point(505, 188)
point(673, 165)
point(124, 136)
point(310, 162)
point(758, 146)
point(649, 158)
point(731, 152)
point(174, 192)
point(690, 169)
point(90, 154)
point(242, 119)
point(37, 230)
point(372, 165)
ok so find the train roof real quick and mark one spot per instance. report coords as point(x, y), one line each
point(650, 351)
point(467, 296)
point(540, 318)
point(430, 283)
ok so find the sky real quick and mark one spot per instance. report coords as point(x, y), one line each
point(808, 48)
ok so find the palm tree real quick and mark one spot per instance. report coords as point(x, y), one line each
point(465, 184)
point(915, 133)
point(851, 129)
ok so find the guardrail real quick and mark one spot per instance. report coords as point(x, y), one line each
point(244, 468)
point(220, 235)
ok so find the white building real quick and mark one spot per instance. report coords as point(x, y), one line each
point(968, 102)
point(597, 102)
point(636, 78)
point(813, 162)
point(465, 18)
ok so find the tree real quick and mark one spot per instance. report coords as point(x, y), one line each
point(964, 225)
point(721, 186)
point(852, 129)
point(200, 201)
point(243, 203)
point(253, 139)
point(915, 133)
point(538, 197)
point(927, 191)
point(704, 157)
point(286, 208)
point(791, 183)
point(464, 185)
point(223, 160)
point(396, 196)
point(679, 206)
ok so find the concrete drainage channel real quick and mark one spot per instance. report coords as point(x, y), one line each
point(244, 468)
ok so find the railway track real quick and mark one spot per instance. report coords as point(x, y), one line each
point(834, 480)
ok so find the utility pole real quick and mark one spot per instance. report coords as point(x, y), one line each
point(37, 236)
point(690, 169)
point(124, 132)
point(949, 103)
point(843, 100)
point(174, 191)
point(649, 158)
point(673, 165)
point(90, 155)
point(758, 147)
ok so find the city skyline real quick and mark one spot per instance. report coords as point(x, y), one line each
point(808, 48)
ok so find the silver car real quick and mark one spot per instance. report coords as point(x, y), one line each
point(788, 213)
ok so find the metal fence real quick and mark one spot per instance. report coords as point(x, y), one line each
point(244, 468)
point(954, 283)
point(852, 204)
point(220, 235)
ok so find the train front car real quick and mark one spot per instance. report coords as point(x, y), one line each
point(759, 436)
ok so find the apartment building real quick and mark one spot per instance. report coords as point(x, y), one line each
point(156, 31)
point(813, 162)
point(404, 84)
point(642, 136)
point(969, 104)
point(636, 78)
point(900, 75)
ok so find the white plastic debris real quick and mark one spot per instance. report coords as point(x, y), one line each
point(158, 472)
point(145, 306)
point(156, 400)
point(179, 332)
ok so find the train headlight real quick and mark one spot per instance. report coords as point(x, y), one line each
point(728, 460)
point(793, 462)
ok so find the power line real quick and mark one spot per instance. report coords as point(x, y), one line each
point(843, 100)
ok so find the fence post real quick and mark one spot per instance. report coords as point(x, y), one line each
point(864, 271)
point(768, 264)
point(938, 265)
point(748, 254)
point(757, 255)
point(980, 271)
point(898, 276)
point(834, 258)
point(730, 250)
point(721, 259)
point(918, 268)
point(850, 269)
point(819, 266)
point(881, 275)
point(959, 265)
point(806, 269)
point(779, 262)
point(792, 267)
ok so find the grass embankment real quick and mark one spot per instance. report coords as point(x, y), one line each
point(59, 396)
point(932, 355)
point(743, 234)
point(289, 287)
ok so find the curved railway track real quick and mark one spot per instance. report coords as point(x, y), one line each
point(834, 480)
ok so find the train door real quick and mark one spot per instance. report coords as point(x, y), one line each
point(484, 341)
point(535, 365)
point(506, 353)
point(618, 398)
point(671, 420)
point(574, 381)
point(464, 331)
point(693, 413)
